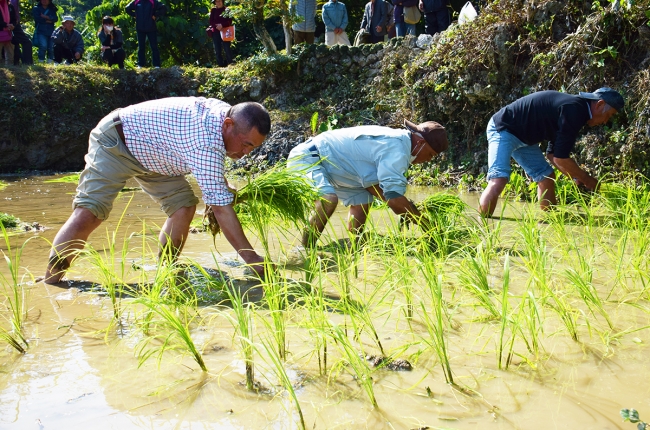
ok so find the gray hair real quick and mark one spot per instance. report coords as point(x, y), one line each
point(249, 115)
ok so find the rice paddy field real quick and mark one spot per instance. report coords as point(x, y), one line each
point(528, 320)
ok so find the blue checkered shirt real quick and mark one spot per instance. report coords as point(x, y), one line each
point(180, 135)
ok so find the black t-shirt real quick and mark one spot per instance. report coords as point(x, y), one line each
point(545, 115)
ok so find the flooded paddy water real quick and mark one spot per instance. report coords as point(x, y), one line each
point(540, 325)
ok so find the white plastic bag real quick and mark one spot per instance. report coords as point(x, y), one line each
point(467, 13)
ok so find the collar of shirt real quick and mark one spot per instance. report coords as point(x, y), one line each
point(589, 110)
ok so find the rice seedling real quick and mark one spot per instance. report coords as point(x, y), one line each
point(535, 255)
point(435, 325)
point(581, 278)
point(112, 282)
point(14, 294)
point(449, 229)
point(276, 298)
point(175, 335)
point(473, 274)
point(278, 367)
point(354, 359)
point(3, 185)
point(505, 317)
point(242, 321)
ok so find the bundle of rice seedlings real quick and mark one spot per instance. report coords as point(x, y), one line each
point(8, 221)
point(279, 193)
point(442, 210)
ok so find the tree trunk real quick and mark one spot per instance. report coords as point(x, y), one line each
point(286, 25)
point(260, 30)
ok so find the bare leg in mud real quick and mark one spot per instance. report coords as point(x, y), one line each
point(75, 232)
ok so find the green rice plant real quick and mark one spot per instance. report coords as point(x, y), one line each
point(277, 365)
point(355, 360)
point(534, 255)
point(473, 274)
point(174, 324)
point(568, 314)
point(531, 313)
point(628, 203)
point(8, 221)
point(520, 188)
point(242, 321)
point(435, 325)
point(105, 262)
point(581, 278)
point(506, 321)
point(69, 179)
point(318, 323)
point(3, 185)
point(14, 294)
point(276, 297)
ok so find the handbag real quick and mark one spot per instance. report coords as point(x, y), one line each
point(412, 14)
point(228, 33)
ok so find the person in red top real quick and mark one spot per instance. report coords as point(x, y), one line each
point(217, 22)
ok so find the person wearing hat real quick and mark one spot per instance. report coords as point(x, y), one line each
point(359, 164)
point(68, 43)
point(517, 129)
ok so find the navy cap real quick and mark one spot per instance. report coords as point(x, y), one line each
point(608, 95)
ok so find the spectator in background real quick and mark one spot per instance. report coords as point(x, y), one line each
point(146, 13)
point(436, 15)
point(375, 20)
point(390, 27)
point(45, 17)
point(335, 17)
point(402, 28)
point(22, 41)
point(304, 31)
point(217, 22)
point(68, 43)
point(111, 40)
point(7, 22)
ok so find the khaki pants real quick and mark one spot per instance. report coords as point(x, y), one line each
point(303, 36)
point(109, 164)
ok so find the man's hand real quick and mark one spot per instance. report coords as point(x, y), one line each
point(219, 27)
point(570, 168)
point(378, 29)
point(77, 55)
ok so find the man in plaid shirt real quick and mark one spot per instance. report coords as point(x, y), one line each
point(157, 143)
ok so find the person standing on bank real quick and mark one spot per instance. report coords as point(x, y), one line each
point(516, 130)
point(157, 143)
point(304, 31)
point(111, 40)
point(375, 20)
point(436, 15)
point(218, 22)
point(22, 41)
point(359, 164)
point(7, 22)
point(68, 42)
point(146, 13)
point(335, 18)
point(45, 16)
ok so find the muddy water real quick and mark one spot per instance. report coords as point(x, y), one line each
point(77, 374)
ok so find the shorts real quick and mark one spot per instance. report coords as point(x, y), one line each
point(305, 157)
point(109, 164)
point(502, 145)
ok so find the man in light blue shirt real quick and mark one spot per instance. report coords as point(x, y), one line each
point(335, 17)
point(359, 164)
point(303, 31)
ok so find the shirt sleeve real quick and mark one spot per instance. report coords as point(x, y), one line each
point(391, 170)
point(208, 168)
point(568, 127)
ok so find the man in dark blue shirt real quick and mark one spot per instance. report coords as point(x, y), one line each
point(516, 130)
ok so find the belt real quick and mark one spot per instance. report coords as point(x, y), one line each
point(119, 128)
